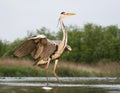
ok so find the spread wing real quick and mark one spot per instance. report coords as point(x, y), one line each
point(37, 47)
point(25, 48)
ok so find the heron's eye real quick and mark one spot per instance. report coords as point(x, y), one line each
point(62, 12)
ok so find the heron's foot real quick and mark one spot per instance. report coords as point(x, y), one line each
point(60, 82)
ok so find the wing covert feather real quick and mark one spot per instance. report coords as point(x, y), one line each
point(37, 51)
point(49, 49)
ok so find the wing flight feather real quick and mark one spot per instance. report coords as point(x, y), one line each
point(25, 48)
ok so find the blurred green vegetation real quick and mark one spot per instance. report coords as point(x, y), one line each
point(90, 44)
point(17, 71)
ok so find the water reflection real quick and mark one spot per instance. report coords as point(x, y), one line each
point(69, 85)
point(10, 89)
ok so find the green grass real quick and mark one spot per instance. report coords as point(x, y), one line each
point(13, 71)
point(25, 68)
point(68, 72)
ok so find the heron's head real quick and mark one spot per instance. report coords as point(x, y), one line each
point(65, 14)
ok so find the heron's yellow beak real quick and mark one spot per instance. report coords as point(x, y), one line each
point(69, 14)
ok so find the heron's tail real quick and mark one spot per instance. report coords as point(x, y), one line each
point(40, 63)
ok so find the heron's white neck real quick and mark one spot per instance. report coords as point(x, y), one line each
point(63, 44)
point(64, 32)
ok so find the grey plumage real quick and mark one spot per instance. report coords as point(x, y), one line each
point(38, 48)
point(45, 49)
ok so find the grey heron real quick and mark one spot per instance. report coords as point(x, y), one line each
point(45, 49)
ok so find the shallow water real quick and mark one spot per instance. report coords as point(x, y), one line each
point(69, 84)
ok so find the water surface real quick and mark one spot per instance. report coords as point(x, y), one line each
point(68, 85)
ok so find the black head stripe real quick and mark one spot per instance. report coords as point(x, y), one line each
point(62, 13)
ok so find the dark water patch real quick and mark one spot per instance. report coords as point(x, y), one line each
point(27, 89)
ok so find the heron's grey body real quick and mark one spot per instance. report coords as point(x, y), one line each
point(45, 49)
point(39, 47)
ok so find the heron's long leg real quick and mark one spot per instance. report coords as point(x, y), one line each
point(54, 70)
point(47, 69)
